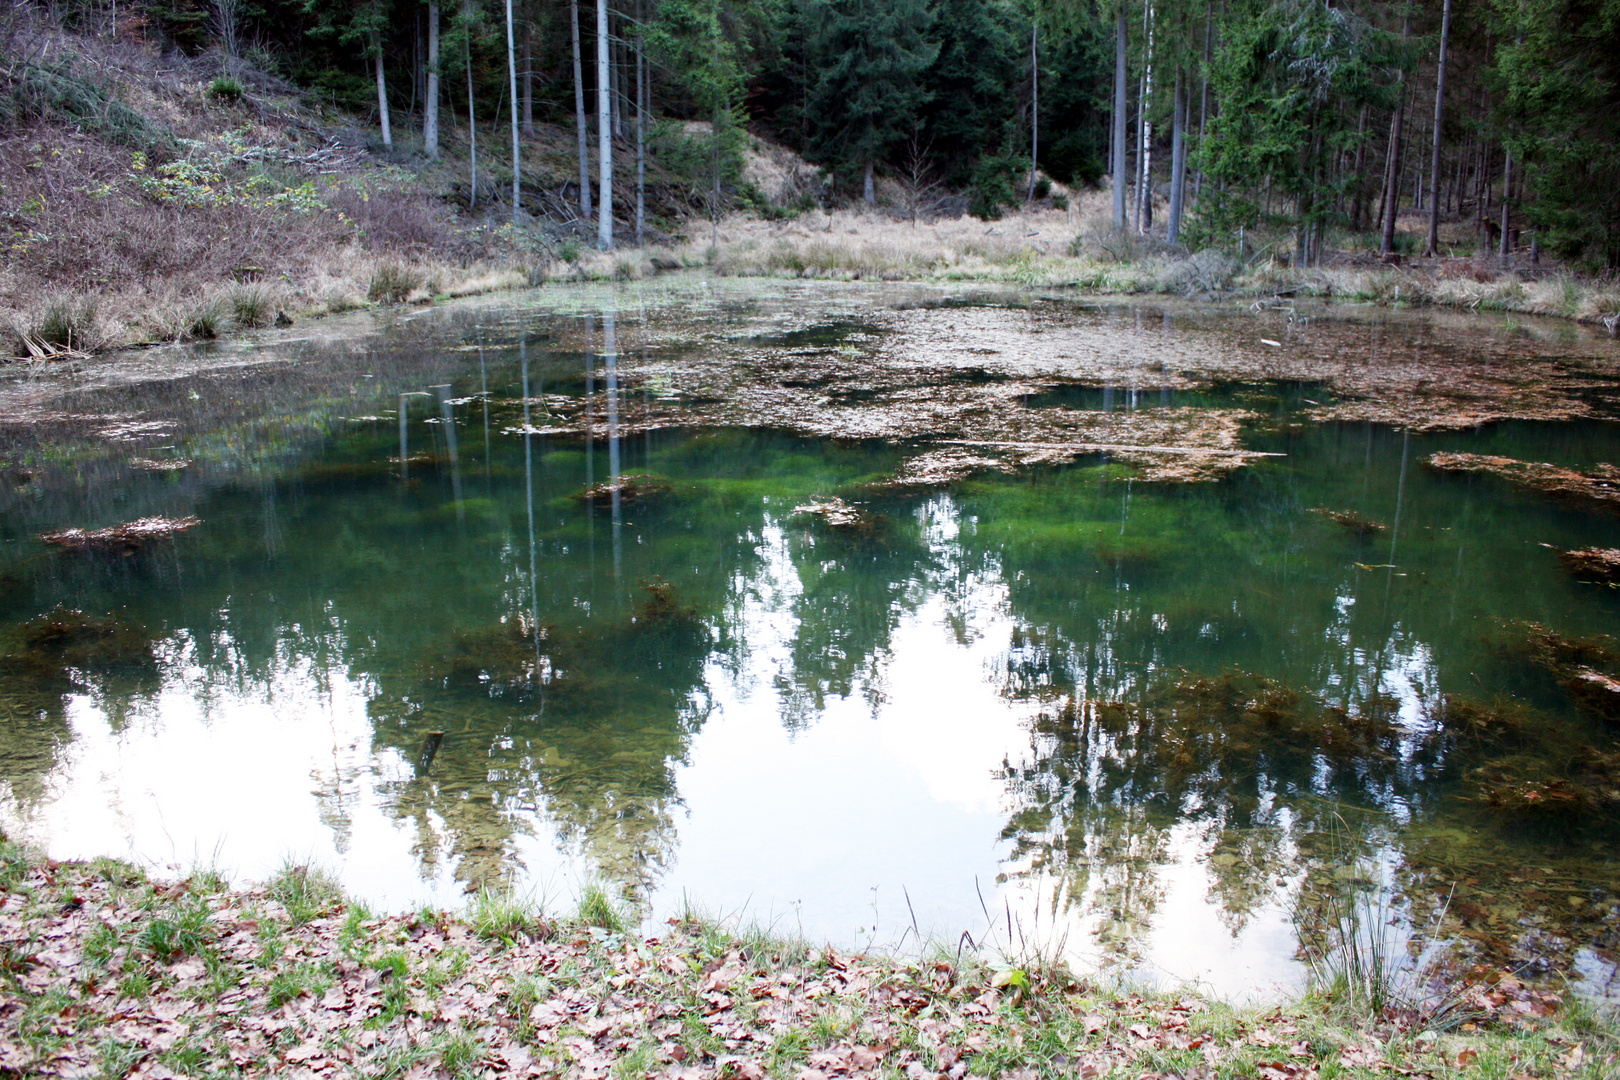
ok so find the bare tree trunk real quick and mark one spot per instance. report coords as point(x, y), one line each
point(1392, 175)
point(517, 155)
point(1392, 165)
point(869, 187)
point(382, 91)
point(1439, 116)
point(1507, 203)
point(1144, 200)
point(430, 101)
point(528, 77)
point(1358, 200)
point(714, 191)
point(1178, 154)
point(1203, 104)
point(616, 65)
point(1034, 107)
point(472, 111)
point(579, 116)
point(604, 131)
point(1120, 108)
point(641, 127)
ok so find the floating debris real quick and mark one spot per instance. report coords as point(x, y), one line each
point(125, 539)
point(1596, 692)
point(1595, 562)
point(1359, 524)
point(628, 488)
point(164, 465)
point(662, 604)
point(940, 468)
point(1599, 484)
point(839, 515)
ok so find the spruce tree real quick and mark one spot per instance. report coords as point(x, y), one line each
point(871, 58)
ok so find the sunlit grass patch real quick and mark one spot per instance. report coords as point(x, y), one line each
point(304, 892)
point(505, 916)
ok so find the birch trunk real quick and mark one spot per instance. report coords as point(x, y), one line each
point(1144, 216)
point(604, 131)
point(517, 156)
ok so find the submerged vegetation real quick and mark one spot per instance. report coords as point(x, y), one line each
point(109, 969)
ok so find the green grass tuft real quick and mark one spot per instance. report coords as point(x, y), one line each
point(305, 892)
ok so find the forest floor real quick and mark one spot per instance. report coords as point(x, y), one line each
point(141, 206)
point(107, 972)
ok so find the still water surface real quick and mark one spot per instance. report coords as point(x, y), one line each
point(1150, 724)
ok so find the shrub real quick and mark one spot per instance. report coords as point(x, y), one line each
point(206, 321)
point(68, 322)
point(391, 219)
point(391, 283)
point(226, 89)
point(252, 307)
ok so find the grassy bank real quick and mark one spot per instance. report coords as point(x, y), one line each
point(1075, 247)
point(109, 973)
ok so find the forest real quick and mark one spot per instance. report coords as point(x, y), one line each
point(1320, 119)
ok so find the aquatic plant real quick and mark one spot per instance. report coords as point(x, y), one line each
point(509, 660)
point(631, 487)
point(1367, 957)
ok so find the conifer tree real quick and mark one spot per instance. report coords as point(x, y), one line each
point(872, 56)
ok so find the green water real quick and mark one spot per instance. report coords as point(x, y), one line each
point(1152, 719)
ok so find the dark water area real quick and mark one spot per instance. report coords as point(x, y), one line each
point(1153, 725)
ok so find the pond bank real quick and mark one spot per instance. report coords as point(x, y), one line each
point(1037, 249)
point(112, 973)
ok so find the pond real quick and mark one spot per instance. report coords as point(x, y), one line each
point(880, 614)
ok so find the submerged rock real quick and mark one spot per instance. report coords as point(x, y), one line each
point(125, 539)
